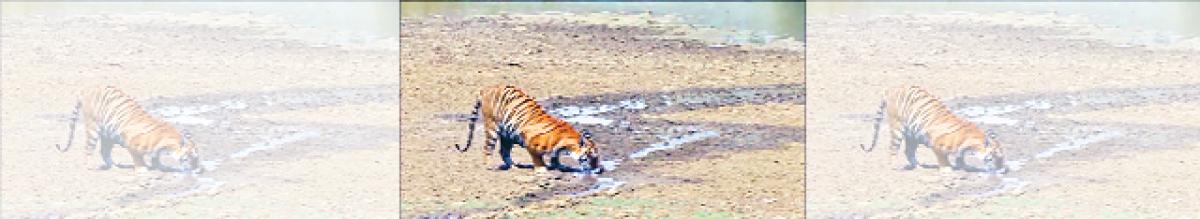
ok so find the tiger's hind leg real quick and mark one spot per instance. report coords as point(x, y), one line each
point(106, 156)
point(505, 155)
point(910, 154)
point(105, 148)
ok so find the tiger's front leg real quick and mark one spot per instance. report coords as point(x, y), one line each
point(943, 160)
point(139, 160)
point(105, 155)
point(910, 154)
point(539, 165)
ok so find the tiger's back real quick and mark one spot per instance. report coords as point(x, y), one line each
point(916, 117)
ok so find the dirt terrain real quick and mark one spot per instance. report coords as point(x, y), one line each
point(286, 127)
point(1091, 128)
point(686, 128)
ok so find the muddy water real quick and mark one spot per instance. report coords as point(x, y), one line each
point(628, 142)
point(1135, 23)
point(1034, 142)
point(333, 23)
point(232, 143)
point(759, 22)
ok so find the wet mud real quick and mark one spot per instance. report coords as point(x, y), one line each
point(629, 142)
point(1035, 142)
point(245, 141)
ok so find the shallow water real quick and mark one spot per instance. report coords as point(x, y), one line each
point(587, 114)
point(337, 22)
point(1137, 23)
point(765, 21)
point(202, 185)
point(673, 143)
point(1077, 143)
point(273, 143)
point(1007, 184)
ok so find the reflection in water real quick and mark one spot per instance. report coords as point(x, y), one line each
point(1164, 22)
point(767, 19)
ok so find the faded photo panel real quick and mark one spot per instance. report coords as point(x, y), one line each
point(1003, 110)
point(199, 110)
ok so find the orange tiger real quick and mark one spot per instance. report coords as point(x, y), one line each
point(916, 117)
point(112, 117)
point(512, 117)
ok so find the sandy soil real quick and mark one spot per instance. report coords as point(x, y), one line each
point(1083, 118)
point(234, 84)
point(579, 62)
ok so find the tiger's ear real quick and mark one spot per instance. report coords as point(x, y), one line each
point(586, 136)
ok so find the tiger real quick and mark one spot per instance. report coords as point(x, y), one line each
point(512, 117)
point(112, 117)
point(917, 117)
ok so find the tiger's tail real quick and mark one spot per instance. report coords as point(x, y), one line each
point(878, 120)
point(71, 135)
point(470, 127)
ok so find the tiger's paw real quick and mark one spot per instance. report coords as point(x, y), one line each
point(503, 167)
point(103, 167)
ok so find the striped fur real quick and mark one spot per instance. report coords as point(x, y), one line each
point(512, 117)
point(916, 117)
point(111, 117)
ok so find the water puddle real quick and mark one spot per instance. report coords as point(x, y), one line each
point(212, 164)
point(1014, 165)
point(207, 185)
point(587, 114)
point(994, 114)
point(189, 115)
point(1007, 185)
point(674, 142)
point(272, 144)
point(608, 183)
point(188, 120)
point(1076, 144)
point(618, 125)
point(203, 185)
point(602, 184)
point(588, 119)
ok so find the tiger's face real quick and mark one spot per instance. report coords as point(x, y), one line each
point(994, 155)
point(188, 154)
point(586, 153)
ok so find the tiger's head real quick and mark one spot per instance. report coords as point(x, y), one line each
point(586, 153)
point(993, 154)
point(188, 154)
